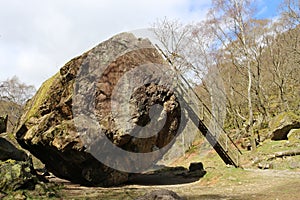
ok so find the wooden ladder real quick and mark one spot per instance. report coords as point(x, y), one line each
point(204, 120)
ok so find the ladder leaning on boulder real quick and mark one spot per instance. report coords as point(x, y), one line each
point(202, 117)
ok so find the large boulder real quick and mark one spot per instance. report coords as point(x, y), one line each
point(105, 114)
point(281, 125)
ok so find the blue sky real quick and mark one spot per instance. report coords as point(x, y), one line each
point(38, 37)
point(267, 8)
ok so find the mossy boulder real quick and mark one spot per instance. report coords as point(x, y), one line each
point(16, 175)
point(281, 125)
point(294, 135)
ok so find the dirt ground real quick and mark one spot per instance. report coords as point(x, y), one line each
point(226, 184)
point(219, 182)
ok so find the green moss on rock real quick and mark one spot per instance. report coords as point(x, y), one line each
point(294, 135)
point(282, 118)
point(32, 107)
point(281, 124)
point(16, 175)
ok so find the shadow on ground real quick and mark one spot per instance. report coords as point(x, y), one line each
point(167, 176)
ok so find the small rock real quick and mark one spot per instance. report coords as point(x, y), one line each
point(160, 195)
point(294, 165)
point(265, 166)
point(20, 196)
point(196, 166)
point(255, 160)
point(231, 178)
point(2, 196)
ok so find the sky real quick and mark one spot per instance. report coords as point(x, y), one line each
point(38, 37)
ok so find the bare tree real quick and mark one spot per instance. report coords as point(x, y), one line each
point(257, 58)
point(13, 95)
point(230, 22)
point(290, 12)
point(15, 91)
point(181, 47)
point(283, 59)
point(192, 51)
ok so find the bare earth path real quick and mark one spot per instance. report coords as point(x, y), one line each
point(226, 184)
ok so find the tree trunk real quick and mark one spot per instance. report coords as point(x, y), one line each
point(252, 137)
point(281, 154)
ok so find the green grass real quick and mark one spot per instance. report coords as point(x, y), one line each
point(268, 148)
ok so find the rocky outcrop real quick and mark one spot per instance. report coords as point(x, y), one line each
point(16, 175)
point(3, 124)
point(13, 112)
point(16, 169)
point(19, 179)
point(281, 125)
point(105, 114)
point(160, 194)
point(294, 135)
point(9, 151)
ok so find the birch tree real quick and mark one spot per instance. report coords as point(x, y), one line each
point(230, 22)
point(15, 91)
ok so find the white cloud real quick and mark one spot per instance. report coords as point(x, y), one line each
point(38, 37)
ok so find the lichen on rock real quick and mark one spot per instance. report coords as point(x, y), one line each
point(294, 135)
point(16, 175)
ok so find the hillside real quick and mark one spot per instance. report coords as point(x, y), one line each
point(13, 111)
